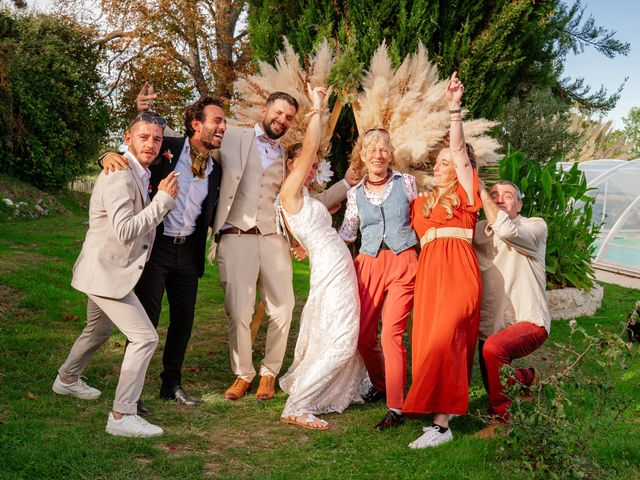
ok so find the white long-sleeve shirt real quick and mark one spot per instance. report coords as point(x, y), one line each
point(511, 255)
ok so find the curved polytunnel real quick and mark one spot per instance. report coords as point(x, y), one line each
point(616, 193)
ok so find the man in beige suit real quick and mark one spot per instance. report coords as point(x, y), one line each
point(250, 252)
point(122, 226)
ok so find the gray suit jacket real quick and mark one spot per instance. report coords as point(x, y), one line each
point(120, 236)
point(234, 153)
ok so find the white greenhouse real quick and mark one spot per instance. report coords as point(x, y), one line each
point(616, 185)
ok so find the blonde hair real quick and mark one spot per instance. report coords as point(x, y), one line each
point(364, 146)
point(445, 196)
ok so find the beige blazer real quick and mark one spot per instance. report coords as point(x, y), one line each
point(233, 155)
point(120, 236)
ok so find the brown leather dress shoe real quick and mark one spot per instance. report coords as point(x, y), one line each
point(494, 428)
point(237, 390)
point(390, 420)
point(267, 388)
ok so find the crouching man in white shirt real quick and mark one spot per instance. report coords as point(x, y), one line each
point(514, 318)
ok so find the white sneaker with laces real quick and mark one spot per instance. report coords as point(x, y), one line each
point(431, 438)
point(77, 389)
point(132, 426)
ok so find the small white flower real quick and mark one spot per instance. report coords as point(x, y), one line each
point(573, 324)
point(324, 172)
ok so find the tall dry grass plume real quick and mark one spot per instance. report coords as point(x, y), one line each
point(287, 75)
point(409, 103)
point(599, 140)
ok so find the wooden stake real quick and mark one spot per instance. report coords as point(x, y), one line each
point(256, 321)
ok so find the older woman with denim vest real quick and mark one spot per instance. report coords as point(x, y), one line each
point(380, 206)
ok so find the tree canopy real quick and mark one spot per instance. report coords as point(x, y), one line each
point(501, 49)
point(632, 131)
point(187, 48)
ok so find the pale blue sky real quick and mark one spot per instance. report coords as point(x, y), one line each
point(623, 16)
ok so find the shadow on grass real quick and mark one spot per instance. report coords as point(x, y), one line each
point(47, 436)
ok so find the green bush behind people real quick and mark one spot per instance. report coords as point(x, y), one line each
point(53, 118)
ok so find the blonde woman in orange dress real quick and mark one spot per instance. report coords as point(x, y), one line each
point(448, 285)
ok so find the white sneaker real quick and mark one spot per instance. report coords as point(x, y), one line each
point(132, 426)
point(77, 389)
point(431, 438)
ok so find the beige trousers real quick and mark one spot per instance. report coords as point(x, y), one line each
point(246, 262)
point(131, 319)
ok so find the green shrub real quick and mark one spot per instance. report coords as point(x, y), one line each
point(540, 126)
point(54, 115)
point(550, 437)
point(552, 194)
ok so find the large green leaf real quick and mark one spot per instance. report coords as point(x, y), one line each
point(552, 194)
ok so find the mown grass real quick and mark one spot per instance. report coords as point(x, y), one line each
point(47, 436)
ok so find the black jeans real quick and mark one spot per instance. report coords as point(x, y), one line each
point(172, 268)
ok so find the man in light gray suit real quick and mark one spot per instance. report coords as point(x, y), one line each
point(122, 226)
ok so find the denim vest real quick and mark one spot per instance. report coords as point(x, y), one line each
point(390, 221)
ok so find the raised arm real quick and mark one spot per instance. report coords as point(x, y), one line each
point(290, 193)
point(488, 205)
point(111, 161)
point(464, 169)
point(144, 102)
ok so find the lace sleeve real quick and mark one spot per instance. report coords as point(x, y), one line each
point(351, 222)
point(281, 226)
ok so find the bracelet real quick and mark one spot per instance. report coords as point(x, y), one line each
point(455, 111)
point(456, 120)
point(312, 112)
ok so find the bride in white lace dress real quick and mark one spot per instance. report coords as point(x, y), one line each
point(327, 370)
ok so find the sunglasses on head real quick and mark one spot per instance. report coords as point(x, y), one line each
point(376, 129)
point(149, 117)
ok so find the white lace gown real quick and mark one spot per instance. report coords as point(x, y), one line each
point(327, 369)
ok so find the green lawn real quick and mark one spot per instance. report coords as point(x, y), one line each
point(47, 436)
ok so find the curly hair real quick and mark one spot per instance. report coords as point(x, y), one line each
point(445, 196)
point(195, 111)
point(365, 145)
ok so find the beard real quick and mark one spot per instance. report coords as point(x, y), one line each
point(208, 145)
point(270, 133)
point(209, 141)
point(142, 153)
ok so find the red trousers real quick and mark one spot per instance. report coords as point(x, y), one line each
point(385, 285)
point(502, 348)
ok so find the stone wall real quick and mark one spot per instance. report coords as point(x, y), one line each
point(567, 303)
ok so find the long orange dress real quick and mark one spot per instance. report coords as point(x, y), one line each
point(446, 312)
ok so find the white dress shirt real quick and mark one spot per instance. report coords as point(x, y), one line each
point(511, 255)
point(181, 221)
point(142, 172)
point(268, 148)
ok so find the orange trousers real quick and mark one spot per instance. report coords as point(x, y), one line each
point(385, 285)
